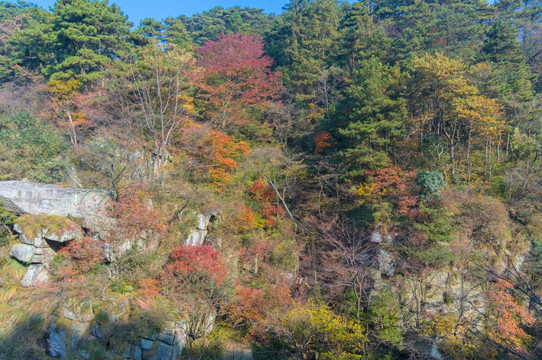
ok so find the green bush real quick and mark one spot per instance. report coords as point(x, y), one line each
point(30, 148)
point(6, 223)
point(431, 184)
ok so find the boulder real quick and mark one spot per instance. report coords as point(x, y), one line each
point(386, 263)
point(22, 237)
point(56, 342)
point(23, 252)
point(22, 197)
point(96, 331)
point(164, 352)
point(43, 255)
point(69, 235)
point(376, 237)
point(167, 336)
point(146, 344)
point(83, 354)
point(206, 217)
point(135, 352)
point(196, 237)
point(80, 315)
point(35, 275)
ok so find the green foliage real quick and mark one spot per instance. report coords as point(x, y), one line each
point(360, 37)
point(303, 43)
point(375, 115)
point(209, 25)
point(121, 287)
point(30, 148)
point(385, 317)
point(511, 76)
point(435, 222)
point(6, 223)
point(431, 184)
point(169, 30)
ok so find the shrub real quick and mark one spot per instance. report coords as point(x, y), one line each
point(431, 184)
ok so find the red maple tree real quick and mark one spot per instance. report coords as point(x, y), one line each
point(235, 79)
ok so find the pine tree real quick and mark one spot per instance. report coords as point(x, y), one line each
point(375, 113)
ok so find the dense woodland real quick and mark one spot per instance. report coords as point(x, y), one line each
point(325, 137)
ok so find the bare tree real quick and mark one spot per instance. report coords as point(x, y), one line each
point(156, 83)
point(348, 258)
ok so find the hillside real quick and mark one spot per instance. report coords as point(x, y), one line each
point(341, 181)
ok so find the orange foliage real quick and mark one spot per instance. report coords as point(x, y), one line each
point(322, 142)
point(510, 315)
point(202, 260)
point(83, 255)
point(266, 195)
point(262, 191)
point(136, 215)
point(246, 219)
point(392, 182)
point(249, 307)
point(149, 288)
point(215, 150)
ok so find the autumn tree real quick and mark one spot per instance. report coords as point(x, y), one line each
point(313, 331)
point(63, 92)
point(155, 81)
point(346, 262)
point(195, 279)
point(509, 317)
point(132, 221)
point(212, 150)
point(235, 81)
point(446, 106)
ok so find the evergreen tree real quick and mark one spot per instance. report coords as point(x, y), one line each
point(209, 25)
point(375, 113)
point(511, 76)
point(360, 37)
point(85, 35)
point(304, 43)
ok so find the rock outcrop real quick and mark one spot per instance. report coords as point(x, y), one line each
point(197, 236)
point(41, 236)
point(48, 221)
point(22, 197)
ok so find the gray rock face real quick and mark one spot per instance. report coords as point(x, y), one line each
point(168, 337)
point(376, 237)
point(146, 344)
point(35, 275)
point(56, 342)
point(23, 252)
point(196, 237)
point(164, 352)
point(386, 264)
point(22, 197)
point(72, 234)
point(79, 316)
point(135, 352)
point(43, 255)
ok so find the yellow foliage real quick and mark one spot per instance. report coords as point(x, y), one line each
point(335, 336)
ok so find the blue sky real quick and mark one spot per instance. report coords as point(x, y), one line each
point(159, 9)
